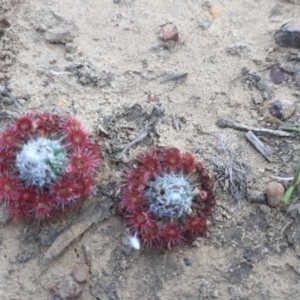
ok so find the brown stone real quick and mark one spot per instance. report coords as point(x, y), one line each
point(274, 193)
point(169, 33)
point(80, 272)
point(282, 109)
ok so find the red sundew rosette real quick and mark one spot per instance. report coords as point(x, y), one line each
point(76, 182)
point(161, 232)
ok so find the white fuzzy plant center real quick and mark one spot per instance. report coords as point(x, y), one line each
point(170, 196)
point(41, 161)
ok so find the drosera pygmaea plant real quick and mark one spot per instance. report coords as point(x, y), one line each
point(166, 199)
point(47, 163)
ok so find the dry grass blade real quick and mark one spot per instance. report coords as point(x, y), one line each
point(228, 165)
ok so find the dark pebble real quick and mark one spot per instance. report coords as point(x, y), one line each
point(4, 24)
point(289, 35)
point(277, 75)
point(187, 262)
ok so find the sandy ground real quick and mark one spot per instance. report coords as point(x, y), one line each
point(103, 62)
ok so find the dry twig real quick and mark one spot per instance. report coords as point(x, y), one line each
point(258, 145)
point(175, 77)
point(224, 123)
point(149, 127)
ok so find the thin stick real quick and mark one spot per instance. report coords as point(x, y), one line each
point(135, 141)
point(56, 73)
point(175, 122)
point(174, 77)
point(282, 178)
point(293, 268)
point(286, 226)
point(157, 113)
point(258, 145)
point(223, 123)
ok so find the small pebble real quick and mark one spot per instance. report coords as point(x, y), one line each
point(282, 109)
point(21, 101)
point(80, 272)
point(274, 193)
point(217, 10)
point(205, 26)
point(41, 28)
point(169, 33)
point(59, 36)
point(277, 75)
point(4, 24)
point(188, 262)
point(69, 57)
point(132, 137)
point(257, 99)
point(152, 98)
point(71, 48)
point(289, 35)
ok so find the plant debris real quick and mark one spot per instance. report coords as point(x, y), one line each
point(93, 215)
point(228, 165)
point(224, 123)
point(259, 145)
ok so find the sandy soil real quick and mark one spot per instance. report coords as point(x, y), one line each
point(103, 62)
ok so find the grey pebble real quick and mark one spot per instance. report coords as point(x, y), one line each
point(69, 57)
point(188, 262)
point(41, 28)
point(289, 35)
point(71, 48)
point(59, 36)
point(277, 75)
